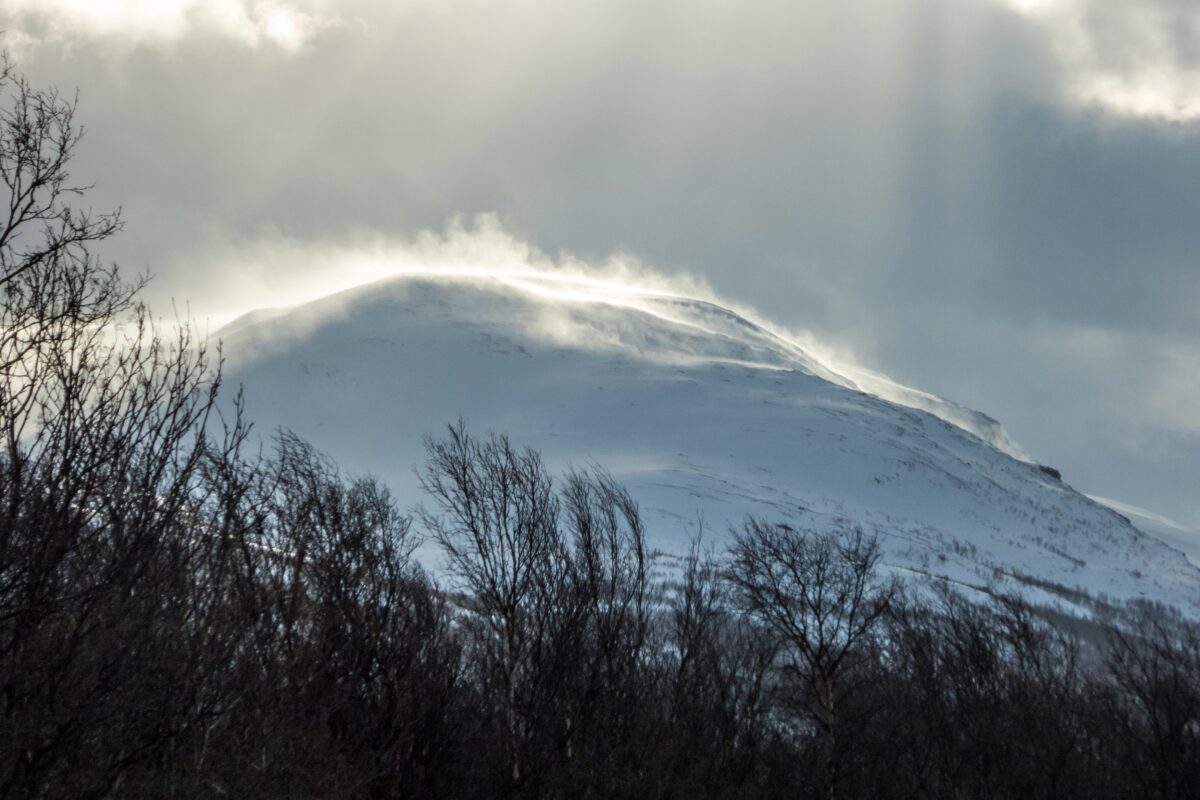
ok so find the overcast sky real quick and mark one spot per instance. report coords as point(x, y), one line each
point(994, 200)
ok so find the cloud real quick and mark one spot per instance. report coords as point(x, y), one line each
point(1137, 59)
point(252, 23)
point(1165, 380)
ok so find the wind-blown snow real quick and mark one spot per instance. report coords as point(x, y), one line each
point(1179, 536)
point(700, 411)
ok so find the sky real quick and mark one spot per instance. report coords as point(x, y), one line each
point(993, 200)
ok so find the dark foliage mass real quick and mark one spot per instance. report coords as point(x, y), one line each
point(182, 618)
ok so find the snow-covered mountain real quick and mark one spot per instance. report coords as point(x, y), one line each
point(701, 412)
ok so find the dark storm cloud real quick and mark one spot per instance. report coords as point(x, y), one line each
point(928, 183)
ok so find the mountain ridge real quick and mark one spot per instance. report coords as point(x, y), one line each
point(700, 411)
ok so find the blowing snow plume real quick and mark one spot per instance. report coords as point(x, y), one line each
point(484, 253)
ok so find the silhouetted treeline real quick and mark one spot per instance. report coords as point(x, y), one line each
point(267, 633)
point(182, 617)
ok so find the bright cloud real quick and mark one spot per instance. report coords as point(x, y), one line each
point(1137, 59)
point(253, 23)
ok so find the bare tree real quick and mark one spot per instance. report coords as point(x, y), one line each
point(820, 593)
point(715, 686)
point(346, 685)
point(602, 659)
point(51, 282)
point(1156, 705)
point(496, 517)
point(104, 434)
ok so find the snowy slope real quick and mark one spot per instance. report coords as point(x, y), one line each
point(701, 412)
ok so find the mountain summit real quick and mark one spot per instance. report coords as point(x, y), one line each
point(701, 412)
